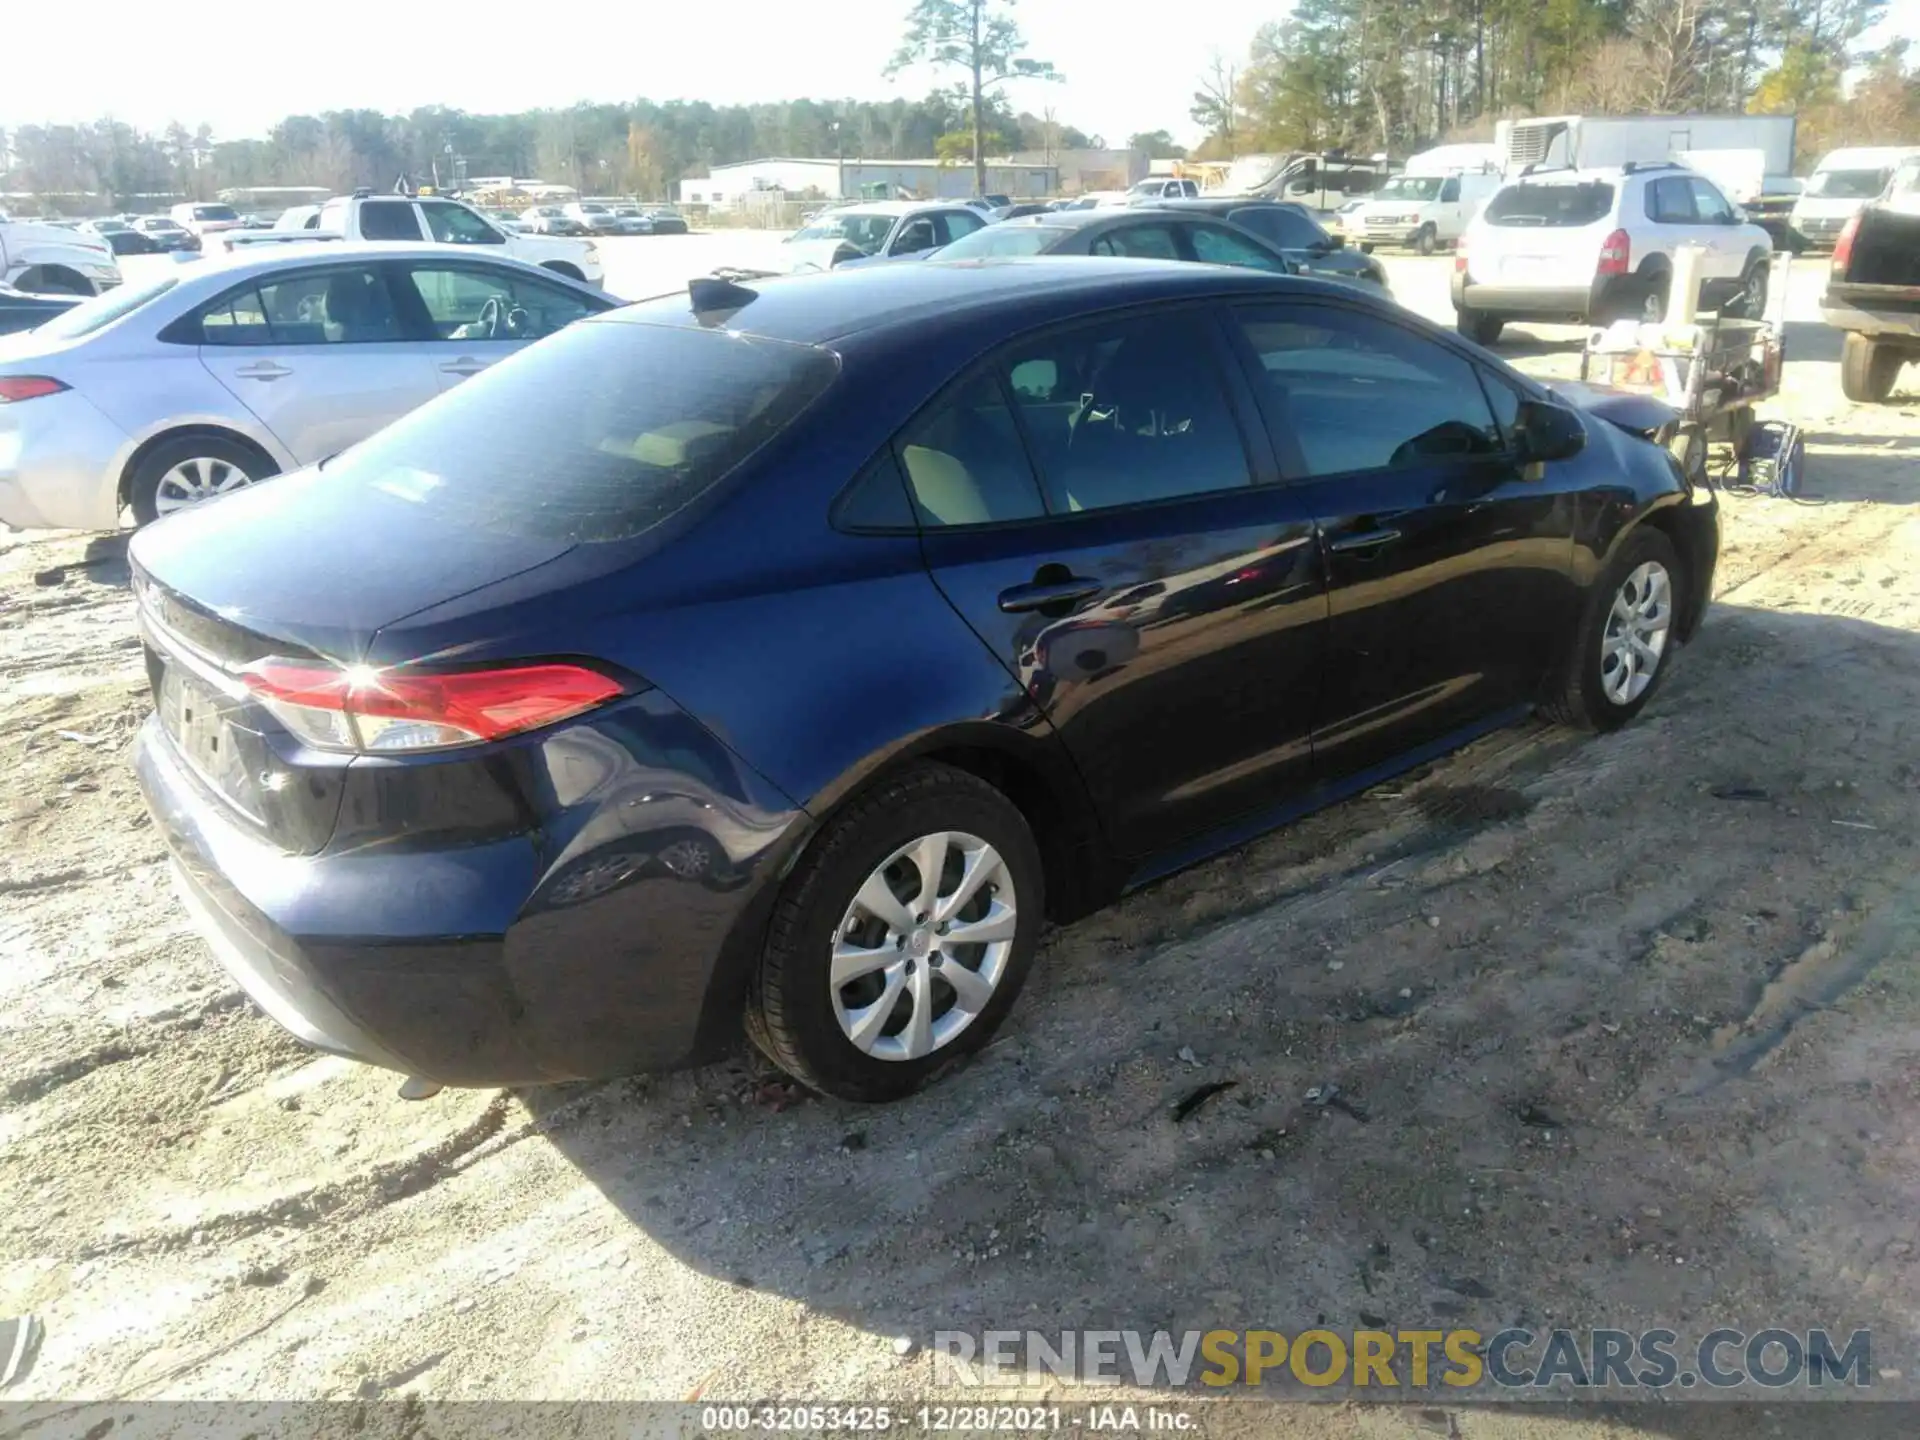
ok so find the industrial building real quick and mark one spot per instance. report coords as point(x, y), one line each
point(724, 186)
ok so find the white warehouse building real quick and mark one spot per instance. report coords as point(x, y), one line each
point(724, 185)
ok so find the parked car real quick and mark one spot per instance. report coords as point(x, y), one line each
point(550, 220)
point(121, 238)
point(631, 757)
point(54, 260)
point(204, 220)
point(631, 220)
point(883, 229)
point(436, 219)
point(1015, 212)
point(299, 217)
point(990, 202)
point(166, 232)
point(667, 220)
point(1842, 182)
point(1162, 187)
point(1292, 229)
point(1156, 234)
point(1874, 290)
point(214, 376)
point(592, 217)
point(1593, 246)
point(22, 311)
point(1422, 212)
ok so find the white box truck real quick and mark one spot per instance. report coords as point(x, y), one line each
point(1592, 142)
point(1841, 185)
point(1430, 203)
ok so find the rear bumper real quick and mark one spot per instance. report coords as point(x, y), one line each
point(1570, 304)
point(60, 465)
point(612, 936)
point(1880, 320)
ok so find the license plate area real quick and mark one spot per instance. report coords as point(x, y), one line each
point(203, 725)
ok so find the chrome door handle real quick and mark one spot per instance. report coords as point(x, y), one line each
point(465, 365)
point(1365, 540)
point(1045, 594)
point(263, 370)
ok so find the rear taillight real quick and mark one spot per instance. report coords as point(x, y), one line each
point(388, 711)
point(1843, 247)
point(1616, 251)
point(1460, 256)
point(15, 388)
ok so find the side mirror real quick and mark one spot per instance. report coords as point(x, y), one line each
point(1548, 432)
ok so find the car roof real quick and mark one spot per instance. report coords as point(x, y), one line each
point(895, 207)
point(935, 296)
point(1216, 204)
point(252, 260)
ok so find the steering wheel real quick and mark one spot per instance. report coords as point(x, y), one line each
point(490, 317)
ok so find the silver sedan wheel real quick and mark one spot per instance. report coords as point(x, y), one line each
point(923, 946)
point(193, 481)
point(1635, 638)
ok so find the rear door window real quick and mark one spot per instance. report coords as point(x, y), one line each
point(1217, 245)
point(1670, 201)
point(1142, 241)
point(1127, 412)
point(1575, 205)
point(1284, 226)
point(597, 434)
point(388, 220)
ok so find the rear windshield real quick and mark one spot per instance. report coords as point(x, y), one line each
point(1580, 204)
point(102, 310)
point(596, 433)
point(214, 212)
point(1848, 184)
point(1002, 240)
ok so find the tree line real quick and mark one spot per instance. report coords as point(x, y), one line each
point(637, 149)
point(1399, 75)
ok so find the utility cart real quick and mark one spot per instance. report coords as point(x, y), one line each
point(1713, 369)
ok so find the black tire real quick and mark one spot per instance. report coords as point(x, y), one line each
point(1365, 248)
point(561, 267)
point(1425, 241)
point(144, 485)
point(1478, 326)
point(790, 1005)
point(1580, 698)
point(1868, 369)
point(1750, 302)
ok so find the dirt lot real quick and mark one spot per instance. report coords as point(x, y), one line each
point(1623, 1032)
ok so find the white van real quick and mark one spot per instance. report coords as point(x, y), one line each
point(1428, 205)
point(1842, 182)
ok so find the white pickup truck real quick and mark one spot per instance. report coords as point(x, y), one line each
point(52, 260)
point(422, 217)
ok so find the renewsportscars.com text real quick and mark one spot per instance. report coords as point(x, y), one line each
point(1512, 1359)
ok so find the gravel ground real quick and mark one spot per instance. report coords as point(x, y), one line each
point(1622, 1032)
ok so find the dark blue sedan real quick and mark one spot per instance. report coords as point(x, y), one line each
point(791, 653)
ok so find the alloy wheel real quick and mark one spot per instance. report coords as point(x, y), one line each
point(193, 482)
point(1635, 637)
point(924, 945)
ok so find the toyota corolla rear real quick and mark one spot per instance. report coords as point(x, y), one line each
point(425, 803)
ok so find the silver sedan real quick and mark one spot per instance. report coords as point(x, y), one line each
point(220, 373)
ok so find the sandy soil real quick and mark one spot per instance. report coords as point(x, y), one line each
point(1622, 1029)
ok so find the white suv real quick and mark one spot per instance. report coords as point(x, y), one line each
point(1593, 246)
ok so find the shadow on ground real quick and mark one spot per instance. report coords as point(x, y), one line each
point(1617, 1050)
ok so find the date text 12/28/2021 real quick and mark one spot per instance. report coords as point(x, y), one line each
point(943, 1419)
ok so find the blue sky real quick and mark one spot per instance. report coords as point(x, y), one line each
point(241, 64)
